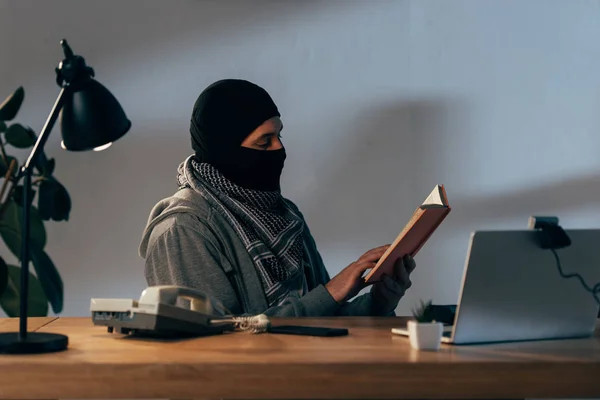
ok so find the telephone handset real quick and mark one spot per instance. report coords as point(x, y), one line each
point(168, 294)
point(156, 314)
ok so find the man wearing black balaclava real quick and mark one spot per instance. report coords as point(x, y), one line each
point(230, 233)
point(224, 115)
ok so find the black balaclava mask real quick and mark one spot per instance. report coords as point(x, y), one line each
point(225, 113)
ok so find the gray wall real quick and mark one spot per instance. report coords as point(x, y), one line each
point(381, 100)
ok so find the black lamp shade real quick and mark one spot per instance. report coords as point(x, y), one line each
point(91, 117)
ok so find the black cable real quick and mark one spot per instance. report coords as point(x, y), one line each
point(595, 291)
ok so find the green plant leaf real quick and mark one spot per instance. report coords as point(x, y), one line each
point(21, 137)
point(18, 195)
point(47, 168)
point(49, 278)
point(54, 201)
point(3, 275)
point(423, 313)
point(10, 228)
point(10, 299)
point(2, 126)
point(44, 165)
point(4, 166)
point(10, 107)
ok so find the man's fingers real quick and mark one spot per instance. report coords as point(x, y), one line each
point(377, 250)
point(374, 254)
point(362, 265)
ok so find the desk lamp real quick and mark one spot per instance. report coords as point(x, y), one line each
point(91, 119)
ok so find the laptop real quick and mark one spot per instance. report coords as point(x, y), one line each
point(512, 289)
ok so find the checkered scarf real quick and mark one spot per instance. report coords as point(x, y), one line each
point(270, 230)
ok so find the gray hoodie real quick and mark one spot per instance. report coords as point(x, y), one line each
point(187, 243)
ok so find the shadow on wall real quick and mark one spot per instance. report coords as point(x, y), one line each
point(563, 195)
point(127, 41)
point(391, 160)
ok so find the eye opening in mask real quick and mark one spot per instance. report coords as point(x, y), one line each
point(266, 141)
point(266, 137)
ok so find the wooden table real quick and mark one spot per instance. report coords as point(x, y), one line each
point(369, 363)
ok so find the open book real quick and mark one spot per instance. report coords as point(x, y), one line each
point(417, 231)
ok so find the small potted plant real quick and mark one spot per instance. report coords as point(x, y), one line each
point(424, 332)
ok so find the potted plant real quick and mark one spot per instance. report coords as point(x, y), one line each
point(423, 331)
point(53, 204)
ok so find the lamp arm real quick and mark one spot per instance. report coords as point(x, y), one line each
point(45, 133)
point(25, 174)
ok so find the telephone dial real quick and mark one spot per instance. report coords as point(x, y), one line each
point(156, 314)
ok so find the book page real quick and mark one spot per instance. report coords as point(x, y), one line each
point(435, 197)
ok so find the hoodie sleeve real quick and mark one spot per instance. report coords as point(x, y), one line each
point(186, 255)
point(362, 305)
point(183, 256)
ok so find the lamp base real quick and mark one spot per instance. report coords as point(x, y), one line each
point(34, 343)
